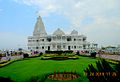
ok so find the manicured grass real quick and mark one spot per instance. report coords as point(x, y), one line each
point(22, 70)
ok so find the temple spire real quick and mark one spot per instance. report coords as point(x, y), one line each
point(39, 28)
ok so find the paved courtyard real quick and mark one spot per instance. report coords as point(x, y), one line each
point(114, 57)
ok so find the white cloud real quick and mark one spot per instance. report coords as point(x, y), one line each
point(105, 15)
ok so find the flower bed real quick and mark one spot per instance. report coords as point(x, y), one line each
point(63, 76)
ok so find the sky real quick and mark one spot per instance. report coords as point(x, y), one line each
point(99, 20)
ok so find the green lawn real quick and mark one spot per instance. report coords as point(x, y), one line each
point(22, 70)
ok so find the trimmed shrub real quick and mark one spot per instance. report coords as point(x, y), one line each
point(9, 62)
point(25, 55)
point(93, 54)
point(78, 53)
point(45, 58)
point(59, 52)
point(4, 62)
point(68, 51)
point(40, 54)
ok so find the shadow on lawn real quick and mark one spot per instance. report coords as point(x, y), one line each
point(37, 78)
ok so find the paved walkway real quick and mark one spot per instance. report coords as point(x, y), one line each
point(113, 57)
point(11, 58)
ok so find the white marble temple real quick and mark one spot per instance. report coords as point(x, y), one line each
point(41, 41)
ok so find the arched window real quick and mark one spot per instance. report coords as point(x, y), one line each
point(68, 38)
point(37, 40)
point(74, 39)
point(84, 39)
point(37, 47)
point(42, 47)
point(42, 39)
point(49, 39)
point(74, 47)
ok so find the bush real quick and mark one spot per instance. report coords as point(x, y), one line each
point(68, 51)
point(93, 54)
point(77, 53)
point(25, 55)
point(4, 62)
point(74, 57)
point(9, 62)
point(59, 52)
point(40, 54)
point(45, 58)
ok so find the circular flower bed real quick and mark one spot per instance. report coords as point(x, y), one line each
point(63, 76)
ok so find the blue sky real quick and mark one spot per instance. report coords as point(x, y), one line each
point(97, 19)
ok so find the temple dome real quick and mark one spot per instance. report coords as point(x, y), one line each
point(74, 32)
point(58, 32)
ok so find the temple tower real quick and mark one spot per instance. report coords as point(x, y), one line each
point(39, 28)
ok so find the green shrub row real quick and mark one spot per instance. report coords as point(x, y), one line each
point(58, 57)
point(59, 52)
point(8, 62)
